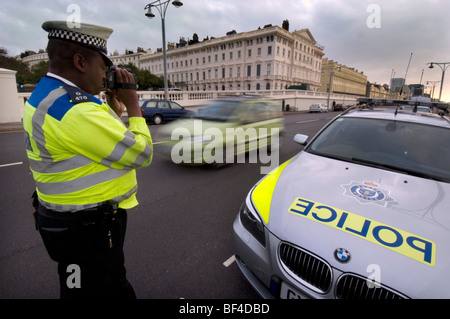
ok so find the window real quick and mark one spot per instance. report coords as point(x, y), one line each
point(151, 104)
point(249, 70)
point(249, 53)
point(258, 70)
point(269, 50)
point(175, 106)
point(163, 105)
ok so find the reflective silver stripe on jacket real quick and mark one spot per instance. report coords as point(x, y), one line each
point(80, 183)
point(39, 119)
point(75, 208)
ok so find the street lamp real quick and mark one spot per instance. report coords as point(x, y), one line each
point(330, 83)
point(443, 67)
point(433, 83)
point(162, 6)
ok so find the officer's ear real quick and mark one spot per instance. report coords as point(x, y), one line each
point(80, 62)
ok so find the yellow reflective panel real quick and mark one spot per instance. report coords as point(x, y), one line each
point(263, 192)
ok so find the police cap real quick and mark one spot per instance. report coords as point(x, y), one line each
point(88, 35)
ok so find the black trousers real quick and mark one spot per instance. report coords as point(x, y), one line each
point(88, 247)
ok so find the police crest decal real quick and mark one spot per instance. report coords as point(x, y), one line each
point(369, 192)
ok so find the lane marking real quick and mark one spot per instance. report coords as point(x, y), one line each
point(229, 261)
point(307, 121)
point(11, 164)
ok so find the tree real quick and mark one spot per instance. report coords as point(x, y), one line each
point(145, 79)
point(10, 63)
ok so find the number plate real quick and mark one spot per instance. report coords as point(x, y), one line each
point(287, 292)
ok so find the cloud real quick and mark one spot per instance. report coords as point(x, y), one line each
point(406, 26)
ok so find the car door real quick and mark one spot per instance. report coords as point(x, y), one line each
point(258, 121)
point(165, 110)
point(177, 110)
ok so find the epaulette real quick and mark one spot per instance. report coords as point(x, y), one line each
point(77, 95)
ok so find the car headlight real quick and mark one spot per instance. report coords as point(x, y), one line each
point(252, 224)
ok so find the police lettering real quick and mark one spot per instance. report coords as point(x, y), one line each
point(400, 241)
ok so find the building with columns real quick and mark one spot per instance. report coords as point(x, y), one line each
point(269, 58)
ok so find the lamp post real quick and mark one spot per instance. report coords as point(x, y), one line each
point(443, 67)
point(433, 83)
point(162, 6)
point(330, 83)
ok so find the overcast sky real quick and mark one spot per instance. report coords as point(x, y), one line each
point(376, 37)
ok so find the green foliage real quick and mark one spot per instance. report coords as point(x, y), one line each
point(145, 79)
point(24, 75)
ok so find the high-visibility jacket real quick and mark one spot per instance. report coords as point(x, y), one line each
point(81, 154)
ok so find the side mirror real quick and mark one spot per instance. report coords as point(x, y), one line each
point(300, 139)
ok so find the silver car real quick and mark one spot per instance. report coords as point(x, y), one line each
point(318, 107)
point(361, 212)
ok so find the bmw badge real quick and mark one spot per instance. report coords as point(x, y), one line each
point(342, 255)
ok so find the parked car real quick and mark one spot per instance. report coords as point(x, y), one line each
point(318, 107)
point(158, 111)
point(237, 125)
point(360, 213)
point(340, 107)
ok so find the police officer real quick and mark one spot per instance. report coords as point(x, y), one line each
point(84, 159)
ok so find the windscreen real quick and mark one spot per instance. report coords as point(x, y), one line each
point(218, 110)
point(411, 148)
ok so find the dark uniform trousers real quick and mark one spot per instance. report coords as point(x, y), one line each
point(88, 247)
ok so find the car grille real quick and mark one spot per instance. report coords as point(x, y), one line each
point(317, 275)
point(306, 267)
point(355, 287)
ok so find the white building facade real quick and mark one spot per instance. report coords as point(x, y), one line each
point(271, 58)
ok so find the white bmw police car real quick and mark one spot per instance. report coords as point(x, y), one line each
point(363, 211)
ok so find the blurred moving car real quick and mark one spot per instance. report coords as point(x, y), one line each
point(243, 124)
point(318, 107)
point(361, 212)
point(158, 111)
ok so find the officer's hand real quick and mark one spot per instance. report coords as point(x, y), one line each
point(113, 101)
point(127, 96)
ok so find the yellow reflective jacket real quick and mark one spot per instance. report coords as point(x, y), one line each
point(80, 153)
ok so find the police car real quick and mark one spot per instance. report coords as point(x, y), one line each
point(361, 212)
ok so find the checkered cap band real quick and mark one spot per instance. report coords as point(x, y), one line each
point(87, 40)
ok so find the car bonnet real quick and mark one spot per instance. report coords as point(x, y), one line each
point(399, 222)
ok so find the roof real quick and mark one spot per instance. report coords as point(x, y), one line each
point(392, 113)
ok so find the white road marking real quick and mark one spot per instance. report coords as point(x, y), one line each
point(229, 261)
point(307, 121)
point(11, 164)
